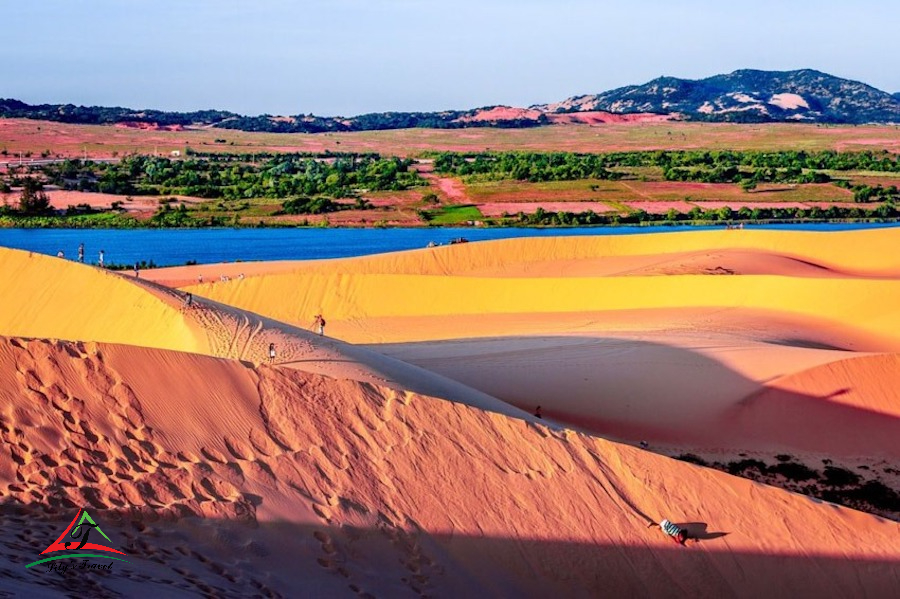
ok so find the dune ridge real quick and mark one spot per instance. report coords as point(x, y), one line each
point(344, 470)
point(83, 303)
point(857, 252)
point(787, 273)
point(632, 338)
point(371, 476)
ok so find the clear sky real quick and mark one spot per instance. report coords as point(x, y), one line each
point(346, 57)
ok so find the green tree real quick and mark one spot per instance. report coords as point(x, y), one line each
point(33, 200)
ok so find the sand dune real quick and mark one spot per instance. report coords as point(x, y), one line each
point(630, 337)
point(844, 407)
point(343, 469)
point(304, 484)
point(355, 304)
point(854, 252)
point(791, 273)
point(52, 298)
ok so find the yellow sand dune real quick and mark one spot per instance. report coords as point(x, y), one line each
point(866, 252)
point(650, 346)
point(47, 297)
point(824, 276)
point(350, 300)
point(228, 479)
point(51, 298)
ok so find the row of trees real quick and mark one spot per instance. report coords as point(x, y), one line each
point(700, 165)
point(236, 177)
point(301, 123)
point(725, 215)
point(866, 194)
point(320, 205)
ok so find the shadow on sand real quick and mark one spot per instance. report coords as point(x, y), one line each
point(189, 557)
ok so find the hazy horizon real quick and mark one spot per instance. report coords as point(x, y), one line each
point(349, 57)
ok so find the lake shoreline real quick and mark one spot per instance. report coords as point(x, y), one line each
point(176, 247)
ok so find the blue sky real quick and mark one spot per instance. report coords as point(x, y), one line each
point(346, 57)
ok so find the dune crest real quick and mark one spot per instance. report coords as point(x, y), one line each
point(373, 479)
point(57, 299)
point(342, 469)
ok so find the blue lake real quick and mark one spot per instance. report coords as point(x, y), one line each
point(176, 246)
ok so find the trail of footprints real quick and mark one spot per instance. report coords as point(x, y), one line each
point(238, 338)
point(128, 472)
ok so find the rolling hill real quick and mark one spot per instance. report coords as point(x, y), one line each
point(742, 96)
point(749, 96)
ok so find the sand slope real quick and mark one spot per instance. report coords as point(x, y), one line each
point(634, 337)
point(342, 470)
point(844, 407)
point(338, 487)
point(868, 252)
point(792, 272)
point(52, 298)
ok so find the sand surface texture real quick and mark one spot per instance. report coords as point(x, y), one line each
point(396, 456)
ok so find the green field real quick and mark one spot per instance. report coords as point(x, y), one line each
point(454, 215)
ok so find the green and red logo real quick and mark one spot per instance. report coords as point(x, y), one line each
point(80, 531)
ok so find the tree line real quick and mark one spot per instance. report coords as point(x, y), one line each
point(706, 166)
point(699, 215)
point(230, 177)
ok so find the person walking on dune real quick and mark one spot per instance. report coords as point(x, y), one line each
point(319, 324)
point(271, 353)
point(100, 260)
point(188, 300)
point(677, 534)
point(81, 252)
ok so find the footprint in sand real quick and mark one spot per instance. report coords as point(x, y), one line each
point(322, 512)
point(326, 541)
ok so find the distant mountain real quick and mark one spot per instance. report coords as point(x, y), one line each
point(301, 123)
point(101, 115)
point(747, 96)
point(742, 96)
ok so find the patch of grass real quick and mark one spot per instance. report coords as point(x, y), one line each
point(453, 215)
point(794, 471)
point(873, 493)
point(741, 466)
point(840, 477)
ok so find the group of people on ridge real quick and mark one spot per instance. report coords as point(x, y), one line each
point(62, 254)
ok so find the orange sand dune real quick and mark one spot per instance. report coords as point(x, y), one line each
point(217, 477)
point(688, 390)
point(644, 347)
point(857, 271)
point(849, 407)
point(860, 253)
point(341, 469)
point(52, 298)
